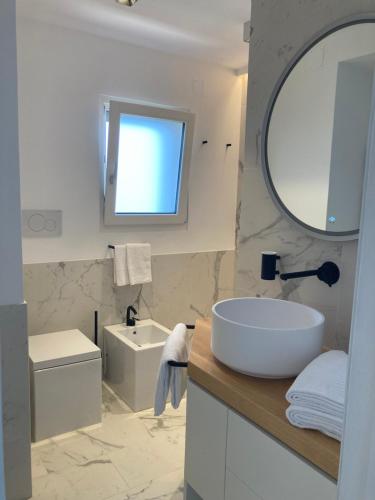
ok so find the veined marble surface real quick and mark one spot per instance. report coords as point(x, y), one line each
point(15, 400)
point(64, 295)
point(132, 456)
point(263, 229)
point(279, 30)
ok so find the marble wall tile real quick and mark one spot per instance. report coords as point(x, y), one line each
point(279, 30)
point(266, 230)
point(185, 286)
point(64, 295)
point(15, 401)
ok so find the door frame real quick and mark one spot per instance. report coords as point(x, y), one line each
point(357, 464)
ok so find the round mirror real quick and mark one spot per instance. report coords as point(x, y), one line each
point(316, 130)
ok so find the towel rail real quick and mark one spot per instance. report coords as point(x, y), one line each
point(178, 364)
point(181, 364)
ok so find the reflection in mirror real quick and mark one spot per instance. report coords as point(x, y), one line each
point(317, 129)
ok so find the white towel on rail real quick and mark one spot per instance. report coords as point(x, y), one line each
point(173, 379)
point(120, 266)
point(322, 385)
point(139, 263)
point(306, 418)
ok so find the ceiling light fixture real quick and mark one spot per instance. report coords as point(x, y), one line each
point(128, 3)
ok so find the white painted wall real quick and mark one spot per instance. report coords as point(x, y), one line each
point(62, 74)
point(11, 287)
point(12, 442)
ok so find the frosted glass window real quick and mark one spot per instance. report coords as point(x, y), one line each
point(148, 155)
point(148, 165)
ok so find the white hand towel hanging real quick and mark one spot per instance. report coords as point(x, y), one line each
point(120, 266)
point(139, 263)
point(170, 378)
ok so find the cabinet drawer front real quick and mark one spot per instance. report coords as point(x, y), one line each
point(206, 436)
point(269, 469)
point(237, 490)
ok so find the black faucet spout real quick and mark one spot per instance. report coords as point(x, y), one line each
point(130, 320)
point(329, 273)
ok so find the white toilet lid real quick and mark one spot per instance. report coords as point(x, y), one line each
point(51, 350)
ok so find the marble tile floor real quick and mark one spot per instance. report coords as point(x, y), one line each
point(131, 456)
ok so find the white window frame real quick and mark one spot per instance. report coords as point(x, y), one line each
point(116, 109)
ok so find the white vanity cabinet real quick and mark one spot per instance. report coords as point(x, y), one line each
point(206, 441)
point(235, 489)
point(229, 458)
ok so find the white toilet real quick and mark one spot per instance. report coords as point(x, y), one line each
point(66, 383)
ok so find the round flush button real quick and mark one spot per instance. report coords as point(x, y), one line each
point(50, 225)
point(36, 222)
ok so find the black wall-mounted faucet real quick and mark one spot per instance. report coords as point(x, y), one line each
point(130, 320)
point(329, 272)
point(269, 263)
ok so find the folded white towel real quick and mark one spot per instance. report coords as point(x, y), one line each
point(177, 348)
point(139, 263)
point(306, 418)
point(120, 269)
point(322, 385)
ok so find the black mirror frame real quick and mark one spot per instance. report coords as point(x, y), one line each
point(317, 233)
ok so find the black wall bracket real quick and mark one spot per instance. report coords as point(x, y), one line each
point(328, 272)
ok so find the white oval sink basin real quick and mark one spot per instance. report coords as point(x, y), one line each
point(266, 338)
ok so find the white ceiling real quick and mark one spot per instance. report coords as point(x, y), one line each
point(205, 29)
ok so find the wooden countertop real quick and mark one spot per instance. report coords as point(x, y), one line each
point(262, 401)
